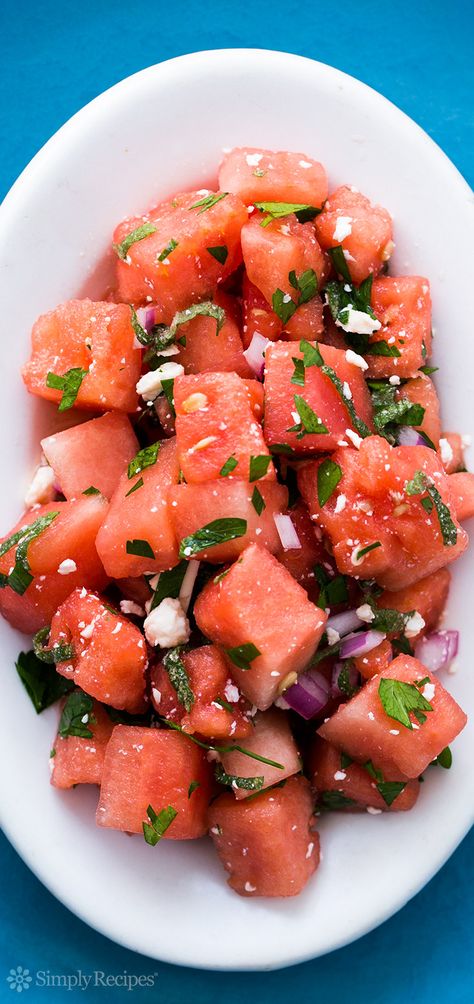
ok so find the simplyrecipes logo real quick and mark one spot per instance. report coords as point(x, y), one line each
point(21, 978)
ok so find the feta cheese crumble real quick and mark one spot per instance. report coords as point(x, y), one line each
point(67, 567)
point(41, 489)
point(342, 229)
point(150, 386)
point(167, 625)
point(358, 321)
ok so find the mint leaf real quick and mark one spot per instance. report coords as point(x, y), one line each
point(138, 484)
point(179, 678)
point(283, 306)
point(192, 787)
point(218, 531)
point(169, 584)
point(390, 790)
point(277, 210)
point(145, 230)
point(335, 800)
point(306, 285)
point(246, 783)
point(208, 202)
point(20, 577)
point(224, 749)
point(366, 550)
point(310, 423)
point(159, 823)
point(419, 484)
point(228, 467)
point(60, 652)
point(243, 655)
point(258, 501)
point(220, 253)
point(445, 758)
point(69, 383)
point(91, 491)
point(139, 547)
point(258, 467)
point(42, 683)
point(336, 255)
point(400, 699)
point(170, 247)
point(144, 458)
point(77, 716)
point(329, 476)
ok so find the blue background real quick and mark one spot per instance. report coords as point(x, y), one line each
point(55, 58)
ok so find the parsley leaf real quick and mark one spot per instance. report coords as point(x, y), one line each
point(258, 467)
point(224, 749)
point(169, 584)
point(145, 230)
point(220, 253)
point(283, 306)
point(159, 823)
point(228, 467)
point(419, 484)
point(192, 787)
point(277, 210)
point(144, 458)
point(366, 550)
point(60, 652)
point(246, 783)
point(310, 423)
point(77, 716)
point(208, 202)
point(335, 800)
point(69, 383)
point(139, 547)
point(329, 476)
point(243, 655)
point(399, 699)
point(171, 245)
point(42, 683)
point(258, 501)
point(218, 531)
point(390, 790)
point(20, 577)
point(179, 678)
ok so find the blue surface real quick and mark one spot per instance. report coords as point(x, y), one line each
point(55, 58)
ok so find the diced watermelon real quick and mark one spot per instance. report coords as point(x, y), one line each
point(214, 421)
point(109, 658)
point(75, 760)
point(193, 506)
point(95, 337)
point(453, 459)
point(422, 391)
point(257, 175)
point(143, 515)
point(365, 732)
point(301, 561)
point(377, 509)
point(374, 661)
point(189, 272)
point(214, 692)
point(403, 307)
point(428, 596)
point(462, 489)
point(204, 351)
point(93, 454)
point(154, 767)
point(306, 322)
point(364, 231)
point(267, 843)
point(356, 786)
point(256, 397)
point(270, 738)
point(69, 538)
point(258, 602)
point(272, 252)
point(319, 392)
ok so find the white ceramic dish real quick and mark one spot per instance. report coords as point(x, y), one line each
point(157, 132)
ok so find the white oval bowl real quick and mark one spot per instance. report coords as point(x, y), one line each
point(160, 131)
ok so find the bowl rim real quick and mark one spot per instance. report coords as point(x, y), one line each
point(10, 207)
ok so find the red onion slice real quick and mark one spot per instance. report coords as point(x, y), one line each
point(345, 622)
point(286, 532)
point(352, 675)
point(146, 317)
point(438, 649)
point(408, 436)
point(255, 353)
point(360, 643)
point(309, 696)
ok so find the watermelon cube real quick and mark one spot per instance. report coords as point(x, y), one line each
point(257, 175)
point(421, 390)
point(306, 322)
point(453, 459)
point(193, 506)
point(95, 337)
point(137, 535)
point(62, 557)
point(283, 397)
point(94, 454)
point(462, 490)
point(375, 661)
point(154, 767)
point(272, 252)
point(351, 786)
point(205, 351)
point(192, 244)
point(392, 516)
point(301, 561)
point(349, 220)
point(76, 760)
point(403, 307)
point(428, 596)
point(259, 604)
point(271, 738)
point(109, 659)
point(218, 710)
point(364, 730)
point(268, 843)
point(214, 421)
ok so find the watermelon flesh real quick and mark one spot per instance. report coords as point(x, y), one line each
point(76, 760)
point(330, 774)
point(154, 767)
point(270, 737)
point(257, 175)
point(205, 351)
point(462, 488)
point(403, 307)
point(94, 454)
point(267, 843)
point(364, 231)
point(271, 253)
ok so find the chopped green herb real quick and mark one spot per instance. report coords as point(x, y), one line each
point(283, 306)
point(344, 681)
point(335, 800)
point(259, 172)
point(336, 255)
point(381, 348)
point(306, 284)
point(329, 476)
point(138, 484)
point(243, 655)
point(357, 422)
point(258, 467)
point(20, 577)
point(428, 505)
point(141, 334)
point(346, 761)
point(42, 683)
point(224, 704)
point(192, 787)
point(77, 716)
point(139, 547)
point(428, 370)
point(400, 699)
point(401, 412)
point(390, 790)
point(277, 210)
point(159, 823)
point(169, 584)
point(60, 652)
point(258, 501)
point(69, 384)
point(419, 484)
point(389, 621)
point(310, 423)
point(333, 590)
point(218, 531)
point(179, 678)
point(228, 467)
point(208, 202)
point(91, 491)
point(144, 458)
point(52, 753)
point(225, 749)
point(246, 783)
point(205, 309)
point(222, 575)
point(445, 758)
point(145, 230)
point(220, 253)
point(369, 767)
point(167, 387)
point(299, 372)
point(366, 550)
point(171, 245)
point(281, 448)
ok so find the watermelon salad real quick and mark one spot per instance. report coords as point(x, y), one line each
point(234, 559)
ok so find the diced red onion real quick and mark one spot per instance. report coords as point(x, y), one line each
point(438, 649)
point(286, 532)
point(146, 317)
point(345, 622)
point(353, 679)
point(309, 696)
point(360, 643)
point(408, 436)
point(255, 353)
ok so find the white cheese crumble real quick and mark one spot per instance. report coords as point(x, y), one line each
point(358, 321)
point(340, 503)
point(149, 385)
point(394, 380)
point(340, 775)
point(167, 625)
point(354, 438)
point(231, 693)
point(373, 811)
point(429, 691)
point(356, 360)
point(365, 613)
point(446, 451)
point(41, 489)
point(253, 159)
point(414, 625)
point(333, 636)
point(67, 567)
point(249, 887)
point(342, 229)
